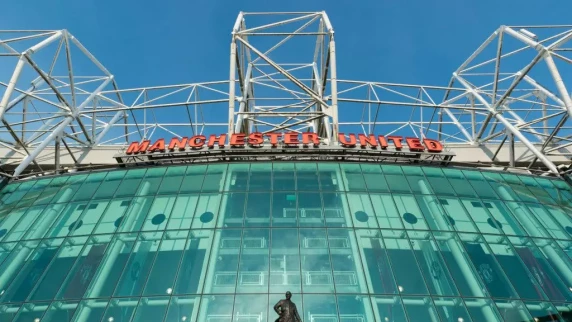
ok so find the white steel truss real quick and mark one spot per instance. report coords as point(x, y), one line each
point(509, 93)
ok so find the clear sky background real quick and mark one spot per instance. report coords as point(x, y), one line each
point(146, 43)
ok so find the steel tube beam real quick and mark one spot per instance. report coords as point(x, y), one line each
point(549, 164)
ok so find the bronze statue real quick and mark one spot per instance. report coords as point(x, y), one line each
point(287, 310)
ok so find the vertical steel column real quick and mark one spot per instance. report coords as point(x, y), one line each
point(232, 86)
point(334, 88)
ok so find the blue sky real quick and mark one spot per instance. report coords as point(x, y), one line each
point(147, 43)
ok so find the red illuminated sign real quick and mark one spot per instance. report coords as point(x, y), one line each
point(291, 140)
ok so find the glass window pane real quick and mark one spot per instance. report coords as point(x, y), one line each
point(183, 308)
point(207, 210)
point(285, 272)
point(49, 283)
point(33, 192)
point(354, 177)
point(91, 310)
point(182, 214)
point(307, 177)
point(239, 176)
point(234, 212)
point(89, 218)
point(113, 216)
point(159, 213)
point(226, 267)
point(215, 178)
point(485, 222)
point(193, 180)
point(438, 182)
point(216, 308)
point(129, 187)
point(251, 308)
point(523, 282)
point(361, 210)
point(284, 209)
point(459, 183)
point(390, 308)
point(260, 177)
point(139, 264)
point(316, 261)
point(67, 221)
point(348, 273)
point(548, 186)
point(374, 178)
point(21, 227)
point(356, 308)
point(456, 215)
point(317, 307)
point(283, 177)
point(33, 263)
point(30, 313)
point(254, 260)
point(60, 312)
point(162, 276)
point(109, 185)
point(395, 178)
point(107, 275)
point(482, 310)
point(420, 309)
point(151, 309)
point(257, 209)
point(520, 190)
point(437, 277)
point(330, 179)
point(135, 214)
point(153, 178)
point(404, 264)
point(488, 268)
point(466, 276)
point(513, 310)
point(551, 226)
point(417, 181)
point(385, 211)
point(194, 263)
point(543, 311)
point(375, 263)
point(89, 186)
point(50, 191)
point(172, 180)
point(410, 213)
point(310, 208)
point(83, 271)
point(120, 310)
point(17, 195)
point(481, 184)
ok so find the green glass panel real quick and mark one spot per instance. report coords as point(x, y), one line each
point(459, 183)
point(109, 185)
point(395, 178)
point(193, 180)
point(307, 177)
point(374, 178)
point(172, 180)
point(153, 178)
point(329, 174)
point(260, 177)
point(438, 181)
point(89, 186)
point(151, 309)
point(131, 184)
point(50, 191)
point(239, 174)
point(215, 178)
point(481, 185)
point(162, 276)
point(283, 177)
point(35, 191)
point(354, 177)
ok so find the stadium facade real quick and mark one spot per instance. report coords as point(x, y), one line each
point(149, 204)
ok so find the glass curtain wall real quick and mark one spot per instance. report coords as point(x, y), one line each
point(224, 242)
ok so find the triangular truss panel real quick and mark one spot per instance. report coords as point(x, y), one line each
point(281, 66)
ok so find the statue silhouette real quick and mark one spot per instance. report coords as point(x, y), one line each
point(287, 310)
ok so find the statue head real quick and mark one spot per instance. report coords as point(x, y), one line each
point(288, 295)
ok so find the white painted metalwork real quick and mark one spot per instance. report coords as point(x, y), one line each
point(511, 93)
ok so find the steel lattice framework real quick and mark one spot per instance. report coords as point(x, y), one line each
point(510, 92)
